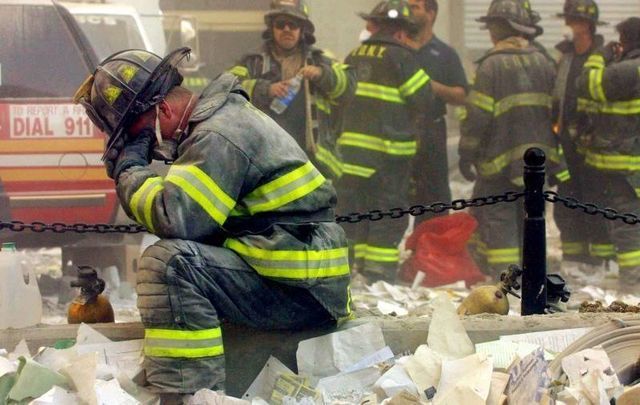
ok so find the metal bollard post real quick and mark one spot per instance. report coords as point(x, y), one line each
point(534, 257)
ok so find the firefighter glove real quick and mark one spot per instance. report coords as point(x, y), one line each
point(610, 51)
point(135, 152)
point(467, 170)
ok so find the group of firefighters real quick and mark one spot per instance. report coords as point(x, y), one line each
point(247, 211)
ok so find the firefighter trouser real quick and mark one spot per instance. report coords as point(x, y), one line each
point(499, 237)
point(430, 171)
point(583, 239)
point(185, 289)
point(374, 244)
point(617, 192)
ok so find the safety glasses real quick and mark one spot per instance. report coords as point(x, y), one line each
point(281, 23)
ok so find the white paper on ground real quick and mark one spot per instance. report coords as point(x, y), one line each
point(110, 393)
point(208, 397)
point(499, 382)
point(88, 336)
point(528, 379)
point(588, 369)
point(555, 341)
point(82, 374)
point(142, 395)
point(378, 357)
point(55, 359)
point(349, 387)
point(396, 380)
point(125, 355)
point(263, 385)
point(391, 308)
point(465, 381)
point(34, 380)
point(447, 335)
point(57, 396)
point(505, 352)
point(331, 354)
point(21, 350)
point(7, 366)
point(424, 368)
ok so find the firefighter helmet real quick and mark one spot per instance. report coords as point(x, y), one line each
point(391, 10)
point(515, 12)
point(127, 84)
point(297, 9)
point(582, 9)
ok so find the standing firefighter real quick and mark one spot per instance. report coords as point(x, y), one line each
point(611, 78)
point(379, 137)
point(312, 117)
point(246, 221)
point(585, 243)
point(508, 111)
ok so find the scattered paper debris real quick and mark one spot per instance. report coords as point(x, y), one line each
point(591, 377)
point(424, 368)
point(265, 382)
point(465, 381)
point(554, 341)
point(528, 379)
point(447, 335)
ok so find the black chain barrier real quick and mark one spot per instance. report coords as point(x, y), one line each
point(375, 215)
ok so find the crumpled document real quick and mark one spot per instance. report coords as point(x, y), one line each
point(34, 380)
point(424, 368)
point(465, 381)
point(447, 335)
point(591, 377)
point(293, 387)
point(208, 397)
point(396, 380)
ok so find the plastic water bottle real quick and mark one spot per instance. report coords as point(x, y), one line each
point(279, 105)
point(20, 300)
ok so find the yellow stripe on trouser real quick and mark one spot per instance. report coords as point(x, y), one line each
point(382, 255)
point(415, 83)
point(604, 251)
point(359, 171)
point(183, 343)
point(503, 256)
point(482, 101)
point(376, 91)
point(629, 259)
point(613, 162)
point(378, 144)
point(360, 251)
point(285, 189)
point(495, 166)
point(141, 203)
point(293, 264)
point(522, 100)
point(574, 248)
point(563, 176)
point(330, 160)
point(203, 190)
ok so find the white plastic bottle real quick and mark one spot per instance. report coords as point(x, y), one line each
point(279, 105)
point(20, 300)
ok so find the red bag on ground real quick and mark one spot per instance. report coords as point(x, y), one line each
point(439, 248)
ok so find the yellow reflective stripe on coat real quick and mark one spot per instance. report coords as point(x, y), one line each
point(293, 264)
point(503, 256)
point(379, 92)
point(595, 85)
point(414, 84)
point(631, 107)
point(382, 255)
point(563, 176)
point(482, 101)
point(360, 250)
point(203, 190)
point(604, 251)
point(574, 248)
point(288, 188)
point(522, 100)
point(378, 144)
point(595, 62)
point(359, 171)
point(249, 86)
point(588, 106)
point(240, 71)
point(496, 165)
point(141, 203)
point(341, 80)
point(330, 160)
point(183, 343)
point(323, 105)
point(629, 259)
point(613, 162)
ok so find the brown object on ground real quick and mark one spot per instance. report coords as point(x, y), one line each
point(90, 306)
point(487, 299)
point(631, 397)
point(615, 307)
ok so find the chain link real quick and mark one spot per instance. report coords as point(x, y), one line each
point(591, 209)
point(375, 215)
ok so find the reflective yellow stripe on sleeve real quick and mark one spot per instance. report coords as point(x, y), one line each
point(588, 106)
point(378, 144)
point(414, 84)
point(563, 176)
point(249, 86)
point(595, 61)
point(183, 343)
point(285, 189)
point(522, 100)
point(294, 264)
point(482, 101)
point(379, 92)
point(240, 71)
point(203, 190)
point(341, 80)
point(360, 250)
point(595, 85)
point(141, 203)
